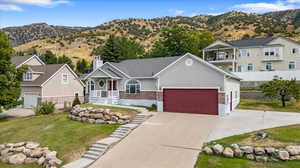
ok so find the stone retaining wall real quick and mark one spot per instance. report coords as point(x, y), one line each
point(259, 154)
point(98, 116)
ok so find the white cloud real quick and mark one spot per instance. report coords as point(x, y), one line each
point(44, 3)
point(265, 7)
point(293, 1)
point(176, 12)
point(8, 7)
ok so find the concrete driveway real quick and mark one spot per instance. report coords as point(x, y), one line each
point(167, 140)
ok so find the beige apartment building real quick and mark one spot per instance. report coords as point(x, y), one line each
point(254, 55)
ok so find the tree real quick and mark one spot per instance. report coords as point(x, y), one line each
point(65, 60)
point(117, 49)
point(177, 40)
point(49, 57)
point(10, 76)
point(81, 66)
point(281, 89)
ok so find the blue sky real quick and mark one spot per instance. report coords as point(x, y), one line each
point(95, 12)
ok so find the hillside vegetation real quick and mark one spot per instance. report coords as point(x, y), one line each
point(228, 26)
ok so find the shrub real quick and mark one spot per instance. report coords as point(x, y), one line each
point(46, 108)
point(76, 101)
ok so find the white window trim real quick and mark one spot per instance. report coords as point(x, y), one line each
point(25, 76)
point(125, 89)
point(270, 64)
point(246, 51)
point(294, 64)
point(103, 84)
point(62, 78)
point(276, 50)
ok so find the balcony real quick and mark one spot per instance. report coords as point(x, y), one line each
point(222, 59)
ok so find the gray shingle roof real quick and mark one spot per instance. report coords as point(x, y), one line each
point(251, 42)
point(48, 71)
point(17, 60)
point(144, 67)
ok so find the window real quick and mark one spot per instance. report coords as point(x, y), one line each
point(272, 52)
point(295, 51)
point(133, 86)
point(90, 85)
point(101, 83)
point(27, 76)
point(292, 64)
point(250, 67)
point(269, 66)
point(65, 79)
point(244, 53)
point(240, 68)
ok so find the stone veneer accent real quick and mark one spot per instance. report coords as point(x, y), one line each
point(146, 95)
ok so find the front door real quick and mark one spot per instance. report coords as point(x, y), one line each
point(112, 85)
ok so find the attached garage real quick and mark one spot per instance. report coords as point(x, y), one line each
point(196, 101)
point(30, 100)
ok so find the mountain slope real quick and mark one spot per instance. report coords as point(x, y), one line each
point(228, 26)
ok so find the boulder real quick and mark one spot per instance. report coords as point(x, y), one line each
point(270, 150)
point(259, 151)
point(238, 152)
point(235, 146)
point(2, 146)
point(208, 150)
point(247, 149)
point(98, 116)
point(5, 152)
point(17, 159)
point(41, 160)
point(20, 149)
point(296, 157)
point(283, 155)
point(250, 156)
point(10, 145)
point(37, 153)
point(228, 152)
point(261, 158)
point(51, 155)
point(32, 145)
point(31, 160)
point(293, 150)
point(218, 149)
point(16, 145)
point(92, 121)
point(100, 121)
point(54, 162)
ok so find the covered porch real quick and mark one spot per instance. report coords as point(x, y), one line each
point(222, 55)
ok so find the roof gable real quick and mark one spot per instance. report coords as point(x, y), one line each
point(251, 42)
point(20, 60)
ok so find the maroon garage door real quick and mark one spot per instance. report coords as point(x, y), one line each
point(198, 101)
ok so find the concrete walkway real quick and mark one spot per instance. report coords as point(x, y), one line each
point(166, 140)
point(16, 112)
point(244, 121)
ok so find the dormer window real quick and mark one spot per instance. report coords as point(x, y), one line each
point(244, 53)
point(272, 52)
point(27, 76)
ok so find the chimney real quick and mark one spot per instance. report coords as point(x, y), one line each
point(97, 62)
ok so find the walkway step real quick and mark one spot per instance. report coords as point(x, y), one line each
point(94, 153)
point(122, 132)
point(97, 149)
point(80, 163)
point(97, 145)
point(93, 157)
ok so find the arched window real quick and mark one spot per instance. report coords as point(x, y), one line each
point(91, 85)
point(133, 86)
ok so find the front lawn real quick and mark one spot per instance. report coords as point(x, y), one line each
point(124, 111)
point(69, 138)
point(250, 104)
point(278, 137)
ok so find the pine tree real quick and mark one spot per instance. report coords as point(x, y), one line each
point(49, 57)
point(65, 60)
point(10, 77)
point(111, 51)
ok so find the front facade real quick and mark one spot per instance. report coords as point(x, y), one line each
point(185, 84)
point(55, 83)
point(252, 55)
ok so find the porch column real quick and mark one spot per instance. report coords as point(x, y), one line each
point(233, 62)
point(111, 87)
point(203, 54)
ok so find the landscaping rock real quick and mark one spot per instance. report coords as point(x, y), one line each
point(297, 157)
point(228, 152)
point(250, 156)
point(270, 150)
point(247, 149)
point(218, 149)
point(283, 155)
point(55, 162)
point(32, 145)
point(259, 151)
point(235, 146)
point(41, 161)
point(31, 160)
point(238, 152)
point(293, 150)
point(261, 158)
point(17, 158)
point(208, 150)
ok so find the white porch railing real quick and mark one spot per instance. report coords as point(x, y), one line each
point(104, 94)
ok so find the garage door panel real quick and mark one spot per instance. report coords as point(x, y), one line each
point(199, 101)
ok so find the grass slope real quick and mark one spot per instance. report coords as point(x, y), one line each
point(69, 138)
point(280, 136)
point(250, 104)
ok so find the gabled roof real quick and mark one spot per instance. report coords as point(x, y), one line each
point(48, 71)
point(251, 42)
point(20, 60)
point(148, 67)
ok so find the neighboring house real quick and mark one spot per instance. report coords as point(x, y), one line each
point(184, 84)
point(258, 54)
point(54, 82)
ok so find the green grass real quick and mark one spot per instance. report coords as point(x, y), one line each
point(249, 104)
point(69, 138)
point(277, 136)
point(153, 109)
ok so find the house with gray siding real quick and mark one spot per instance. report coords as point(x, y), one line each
point(185, 84)
point(55, 83)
